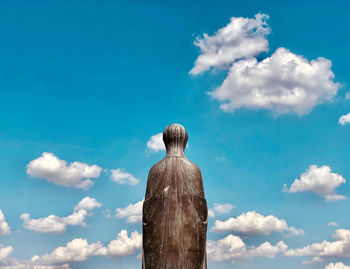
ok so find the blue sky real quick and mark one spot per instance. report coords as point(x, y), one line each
point(86, 86)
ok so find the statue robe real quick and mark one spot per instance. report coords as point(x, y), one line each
point(175, 216)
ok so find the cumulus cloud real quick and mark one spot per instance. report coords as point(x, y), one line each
point(5, 252)
point(80, 250)
point(338, 265)
point(132, 213)
point(284, 83)
point(124, 245)
point(4, 227)
point(345, 119)
point(87, 203)
point(51, 224)
point(339, 248)
point(55, 224)
point(241, 38)
point(9, 262)
point(232, 249)
point(123, 177)
point(156, 143)
point(75, 251)
point(59, 172)
point(319, 180)
point(253, 223)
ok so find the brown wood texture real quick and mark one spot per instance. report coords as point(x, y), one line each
point(175, 211)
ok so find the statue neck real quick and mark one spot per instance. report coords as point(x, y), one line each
point(175, 151)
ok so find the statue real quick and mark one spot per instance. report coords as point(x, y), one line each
point(175, 213)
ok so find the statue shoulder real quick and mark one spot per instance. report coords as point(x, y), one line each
point(157, 168)
point(192, 167)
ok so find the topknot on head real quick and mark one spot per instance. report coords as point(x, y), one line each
point(175, 135)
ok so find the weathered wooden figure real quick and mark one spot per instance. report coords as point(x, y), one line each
point(175, 211)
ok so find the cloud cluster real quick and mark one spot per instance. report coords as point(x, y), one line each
point(156, 143)
point(253, 223)
point(4, 227)
point(9, 262)
point(80, 250)
point(5, 252)
point(283, 82)
point(122, 177)
point(77, 250)
point(52, 169)
point(132, 213)
point(338, 265)
point(345, 119)
point(54, 224)
point(124, 245)
point(339, 248)
point(319, 180)
point(232, 249)
point(241, 38)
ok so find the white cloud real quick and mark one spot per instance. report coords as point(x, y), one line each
point(232, 249)
point(156, 143)
point(4, 227)
point(80, 250)
point(8, 262)
point(5, 252)
point(87, 203)
point(319, 180)
point(51, 224)
point(76, 218)
point(284, 83)
point(132, 213)
point(252, 223)
point(338, 265)
point(211, 213)
point(223, 208)
point(75, 251)
point(333, 224)
point(15, 264)
point(241, 38)
point(124, 245)
point(54, 224)
point(337, 249)
point(123, 177)
point(52, 169)
point(345, 119)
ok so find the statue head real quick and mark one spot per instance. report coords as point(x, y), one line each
point(175, 138)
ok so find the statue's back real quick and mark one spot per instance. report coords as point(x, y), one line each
point(174, 210)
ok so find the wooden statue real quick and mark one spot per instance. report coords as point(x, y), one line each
point(175, 214)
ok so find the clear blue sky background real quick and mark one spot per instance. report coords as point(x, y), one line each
point(92, 81)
